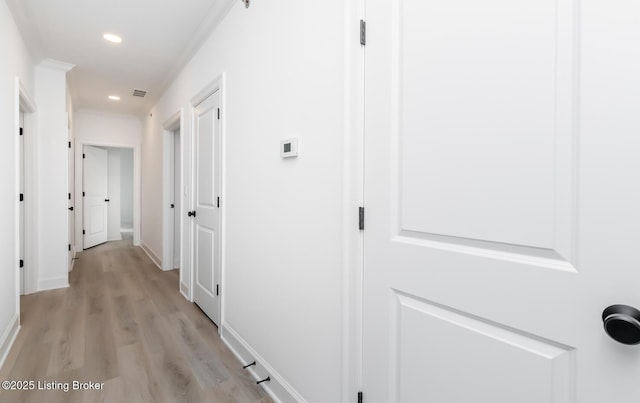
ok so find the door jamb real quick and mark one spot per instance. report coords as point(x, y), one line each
point(171, 125)
point(24, 103)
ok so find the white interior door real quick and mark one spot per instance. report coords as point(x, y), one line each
point(501, 188)
point(206, 241)
point(95, 185)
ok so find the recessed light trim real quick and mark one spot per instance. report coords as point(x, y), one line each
point(114, 97)
point(112, 38)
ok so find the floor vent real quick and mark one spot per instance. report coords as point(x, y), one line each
point(139, 93)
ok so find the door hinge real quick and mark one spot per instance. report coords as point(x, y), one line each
point(21, 263)
point(21, 131)
point(218, 202)
point(218, 113)
point(69, 196)
point(359, 397)
point(21, 197)
point(363, 32)
point(69, 144)
point(361, 218)
point(83, 232)
point(84, 156)
point(82, 194)
point(217, 289)
point(69, 247)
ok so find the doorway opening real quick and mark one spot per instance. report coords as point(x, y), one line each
point(107, 194)
point(175, 198)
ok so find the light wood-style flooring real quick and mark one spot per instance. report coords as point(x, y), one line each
point(123, 322)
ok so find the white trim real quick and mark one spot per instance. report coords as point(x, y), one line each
point(353, 191)
point(79, 205)
point(8, 338)
point(24, 102)
point(171, 125)
point(46, 284)
point(277, 388)
point(152, 255)
point(218, 84)
point(56, 65)
point(184, 290)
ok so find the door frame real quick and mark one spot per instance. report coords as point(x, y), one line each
point(170, 126)
point(217, 85)
point(79, 205)
point(24, 103)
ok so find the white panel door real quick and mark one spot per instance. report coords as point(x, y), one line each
point(502, 200)
point(95, 185)
point(206, 241)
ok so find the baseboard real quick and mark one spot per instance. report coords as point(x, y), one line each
point(277, 388)
point(53, 283)
point(8, 337)
point(184, 290)
point(154, 258)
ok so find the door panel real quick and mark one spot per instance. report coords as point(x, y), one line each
point(207, 220)
point(95, 187)
point(494, 200)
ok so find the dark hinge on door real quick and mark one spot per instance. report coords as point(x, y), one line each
point(363, 33)
point(359, 397)
point(21, 131)
point(218, 113)
point(21, 197)
point(218, 202)
point(217, 289)
point(69, 144)
point(83, 232)
point(69, 247)
point(21, 263)
point(84, 156)
point(361, 218)
point(82, 194)
point(69, 196)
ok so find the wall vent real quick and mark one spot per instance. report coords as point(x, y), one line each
point(139, 93)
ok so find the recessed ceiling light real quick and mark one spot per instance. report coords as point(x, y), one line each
point(112, 38)
point(114, 97)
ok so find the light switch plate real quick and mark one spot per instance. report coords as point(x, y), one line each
point(289, 148)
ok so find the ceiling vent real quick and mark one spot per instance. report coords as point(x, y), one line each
point(139, 93)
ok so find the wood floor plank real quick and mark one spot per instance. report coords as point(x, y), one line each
point(123, 322)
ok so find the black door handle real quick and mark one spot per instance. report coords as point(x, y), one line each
point(172, 206)
point(191, 213)
point(107, 200)
point(71, 208)
point(622, 324)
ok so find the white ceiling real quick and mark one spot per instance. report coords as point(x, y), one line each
point(159, 37)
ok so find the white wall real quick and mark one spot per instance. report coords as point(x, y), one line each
point(113, 192)
point(283, 278)
point(126, 188)
point(16, 62)
point(110, 130)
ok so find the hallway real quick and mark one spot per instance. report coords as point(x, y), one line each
point(124, 323)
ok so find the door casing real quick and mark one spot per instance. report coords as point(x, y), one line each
point(217, 85)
